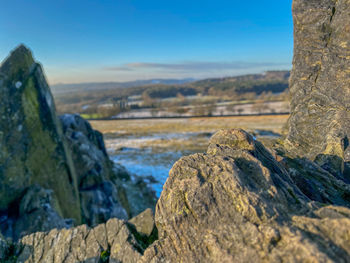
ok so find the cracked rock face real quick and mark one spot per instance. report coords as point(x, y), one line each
point(109, 242)
point(319, 126)
point(236, 203)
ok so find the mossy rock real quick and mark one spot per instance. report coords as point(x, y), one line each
point(32, 147)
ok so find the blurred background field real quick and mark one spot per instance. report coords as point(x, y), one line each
point(149, 147)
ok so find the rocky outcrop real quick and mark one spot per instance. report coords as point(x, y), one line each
point(237, 203)
point(53, 170)
point(31, 147)
point(319, 126)
point(241, 202)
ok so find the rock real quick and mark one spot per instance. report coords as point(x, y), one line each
point(3, 248)
point(88, 150)
point(316, 183)
point(144, 225)
point(36, 213)
point(99, 196)
point(109, 242)
point(236, 203)
point(319, 86)
point(54, 170)
point(32, 150)
point(101, 203)
point(138, 195)
point(144, 222)
point(107, 190)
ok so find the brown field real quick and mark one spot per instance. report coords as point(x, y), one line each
point(152, 126)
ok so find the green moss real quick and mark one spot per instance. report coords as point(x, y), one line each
point(104, 257)
point(17, 65)
point(45, 157)
point(91, 116)
point(291, 192)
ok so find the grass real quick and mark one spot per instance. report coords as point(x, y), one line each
point(210, 125)
point(91, 116)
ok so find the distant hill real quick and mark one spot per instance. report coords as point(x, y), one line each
point(271, 81)
point(72, 97)
point(93, 86)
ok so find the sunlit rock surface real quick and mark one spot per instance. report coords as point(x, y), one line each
point(237, 203)
point(319, 126)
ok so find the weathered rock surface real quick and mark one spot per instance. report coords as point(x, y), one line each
point(53, 169)
point(240, 202)
point(98, 195)
point(3, 248)
point(106, 189)
point(31, 147)
point(236, 203)
point(113, 241)
point(135, 190)
point(319, 126)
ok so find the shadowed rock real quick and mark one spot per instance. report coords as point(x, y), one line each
point(31, 147)
point(50, 168)
point(98, 195)
point(106, 189)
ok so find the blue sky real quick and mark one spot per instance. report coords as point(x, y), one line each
point(121, 40)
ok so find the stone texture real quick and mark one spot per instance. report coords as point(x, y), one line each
point(109, 242)
point(99, 197)
point(319, 125)
point(236, 203)
point(31, 147)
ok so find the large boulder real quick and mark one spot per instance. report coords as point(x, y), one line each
point(237, 203)
point(32, 149)
point(319, 126)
